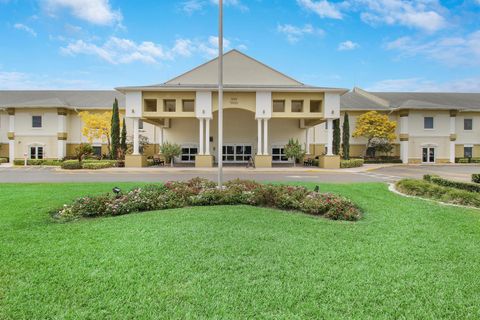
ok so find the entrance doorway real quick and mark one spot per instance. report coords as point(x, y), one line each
point(428, 155)
point(237, 153)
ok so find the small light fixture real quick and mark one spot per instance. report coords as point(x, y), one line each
point(117, 190)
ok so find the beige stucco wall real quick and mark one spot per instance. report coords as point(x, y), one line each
point(468, 136)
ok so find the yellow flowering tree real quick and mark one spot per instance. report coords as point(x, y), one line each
point(97, 126)
point(374, 125)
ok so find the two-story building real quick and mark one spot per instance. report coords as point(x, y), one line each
point(263, 109)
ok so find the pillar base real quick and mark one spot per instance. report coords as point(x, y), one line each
point(329, 162)
point(203, 161)
point(263, 161)
point(135, 161)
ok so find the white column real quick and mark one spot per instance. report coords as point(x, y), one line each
point(62, 128)
point(160, 135)
point(200, 151)
point(404, 143)
point(11, 142)
point(136, 137)
point(259, 143)
point(453, 138)
point(330, 137)
point(307, 138)
point(207, 137)
point(265, 136)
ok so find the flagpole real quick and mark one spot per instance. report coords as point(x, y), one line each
point(220, 94)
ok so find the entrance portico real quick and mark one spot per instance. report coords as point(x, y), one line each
point(263, 109)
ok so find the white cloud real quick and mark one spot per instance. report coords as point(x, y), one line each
point(452, 51)
point(26, 81)
point(423, 85)
point(420, 14)
point(294, 33)
point(122, 51)
point(348, 45)
point(426, 15)
point(322, 8)
point(97, 12)
point(20, 26)
point(191, 6)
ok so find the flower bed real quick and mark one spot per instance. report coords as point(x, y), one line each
point(201, 192)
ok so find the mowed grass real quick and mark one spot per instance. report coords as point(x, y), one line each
point(406, 259)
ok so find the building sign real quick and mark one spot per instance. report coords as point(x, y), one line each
point(233, 100)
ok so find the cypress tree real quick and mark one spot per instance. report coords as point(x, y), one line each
point(336, 136)
point(346, 137)
point(123, 140)
point(115, 134)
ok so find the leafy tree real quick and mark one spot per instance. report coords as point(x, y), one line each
point(123, 139)
point(115, 131)
point(293, 149)
point(170, 151)
point(346, 137)
point(97, 126)
point(382, 145)
point(336, 136)
point(372, 125)
point(82, 150)
point(142, 144)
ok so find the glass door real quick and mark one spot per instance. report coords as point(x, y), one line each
point(428, 155)
point(237, 153)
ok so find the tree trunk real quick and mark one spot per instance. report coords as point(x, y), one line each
point(171, 162)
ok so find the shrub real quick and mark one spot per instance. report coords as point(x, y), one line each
point(472, 187)
point(426, 189)
point(38, 162)
point(3, 160)
point(352, 163)
point(383, 160)
point(71, 165)
point(201, 192)
point(476, 177)
point(94, 165)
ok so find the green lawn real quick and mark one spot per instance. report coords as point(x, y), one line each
point(406, 259)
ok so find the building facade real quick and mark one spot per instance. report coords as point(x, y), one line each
point(263, 109)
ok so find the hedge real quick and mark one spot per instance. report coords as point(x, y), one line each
point(113, 163)
point(202, 192)
point(467, 160)
point(38, 162)
point(352, 163)
point(71, 165)
point(98, 165)
point(426, 189)
point(3, 160)
point(383, 160)
point(476, 177)
point(472, 187)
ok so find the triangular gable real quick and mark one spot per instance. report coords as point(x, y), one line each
point(238, 69)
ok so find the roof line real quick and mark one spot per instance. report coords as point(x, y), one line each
point(245, 55)
point(371, 96)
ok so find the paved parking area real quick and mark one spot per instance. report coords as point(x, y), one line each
point(366, 174)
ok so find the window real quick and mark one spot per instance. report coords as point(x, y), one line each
point(97, 151)
point(140, 124)
point(315, 106)
point(188, 105)
point(428, 123)
point(467, 151)
point(36, 152)
point(278, 154)
point(36, 121)
point(278, 105)
point(297, 106)
point(467, 124)
point(151, 105)
point(188, 153)
point(169, 105)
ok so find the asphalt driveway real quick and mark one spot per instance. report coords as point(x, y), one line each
point(366, 174)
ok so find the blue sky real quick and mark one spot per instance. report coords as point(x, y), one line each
point(396, 45)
